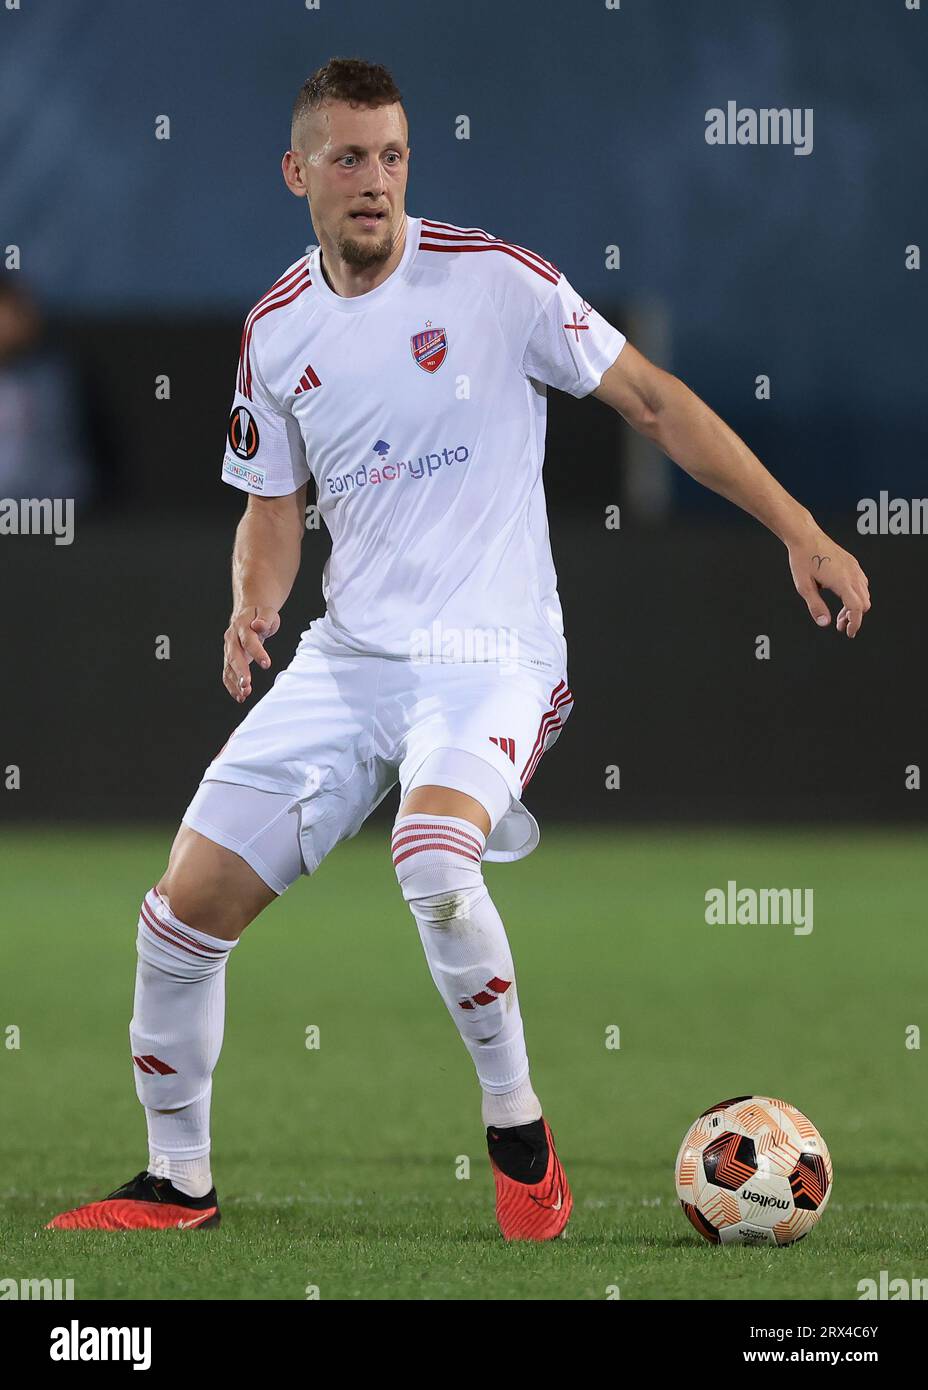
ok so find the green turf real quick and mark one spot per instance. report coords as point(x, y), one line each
point(337, 1168)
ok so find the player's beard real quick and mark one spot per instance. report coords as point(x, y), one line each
point(366, 253)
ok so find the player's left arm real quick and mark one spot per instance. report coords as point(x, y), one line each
point(659, 406)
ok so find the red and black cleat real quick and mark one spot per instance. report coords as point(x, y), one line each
point(533, 1199)
point(145, 1203)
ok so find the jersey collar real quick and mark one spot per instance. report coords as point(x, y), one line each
point(356, 304)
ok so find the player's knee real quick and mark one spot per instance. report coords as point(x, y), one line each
point(202, 905)
point(442, 908)
point(210, 888)
point(438, 801)
point(447, 908)
point(438, 866)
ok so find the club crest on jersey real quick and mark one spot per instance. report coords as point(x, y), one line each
point(429, 348)
point(243, 433)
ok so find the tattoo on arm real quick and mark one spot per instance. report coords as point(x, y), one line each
point(822, 560)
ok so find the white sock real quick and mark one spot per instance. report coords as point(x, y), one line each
point(176, 1036)
point(438, 864)
point(179, 1145)
point(518, 1107)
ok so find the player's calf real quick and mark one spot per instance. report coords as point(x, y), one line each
point(438, 860)
point(187, 927)
point(175, 1038)
point(438, 865)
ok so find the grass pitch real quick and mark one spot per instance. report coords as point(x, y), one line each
point(338, 1168)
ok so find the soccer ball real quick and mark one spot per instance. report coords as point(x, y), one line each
point(753, 1171)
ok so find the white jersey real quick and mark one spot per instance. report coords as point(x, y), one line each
point(419, 409)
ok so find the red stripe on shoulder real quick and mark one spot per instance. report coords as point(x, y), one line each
point(465, 246)
point(282, 292)
point(285, 280)
point(441, 229)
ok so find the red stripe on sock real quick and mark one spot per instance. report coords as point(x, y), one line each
point(167, 934)
point(441, 828)
point(169, 926)
point(451, 849)
point(463, 842)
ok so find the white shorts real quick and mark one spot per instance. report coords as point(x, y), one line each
point(335, 734)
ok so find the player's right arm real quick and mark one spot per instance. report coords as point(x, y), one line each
point(265, 457)
point(265, 561)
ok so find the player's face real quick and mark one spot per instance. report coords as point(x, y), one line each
point(354, 165)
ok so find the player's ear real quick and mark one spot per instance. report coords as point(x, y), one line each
point(293, 175)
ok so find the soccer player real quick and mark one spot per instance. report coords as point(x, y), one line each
point(403, 365)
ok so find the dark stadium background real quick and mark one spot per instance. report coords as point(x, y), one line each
point(587, 130)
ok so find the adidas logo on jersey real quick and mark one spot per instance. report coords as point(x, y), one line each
point(307, 381)
point(508, 746)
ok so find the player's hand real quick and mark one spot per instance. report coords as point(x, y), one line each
point(816, 563)
point(244, 641)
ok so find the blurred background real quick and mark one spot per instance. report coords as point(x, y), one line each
point(128, 259)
